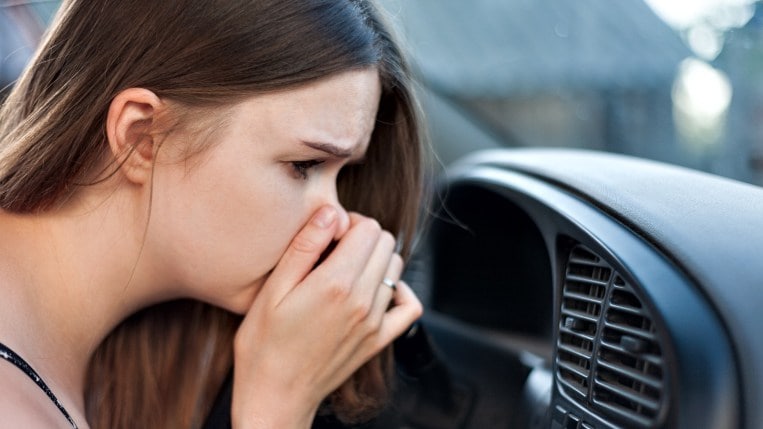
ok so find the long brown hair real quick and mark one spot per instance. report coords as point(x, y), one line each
point(163, 366)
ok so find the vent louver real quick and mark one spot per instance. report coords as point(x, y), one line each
point(608, 353)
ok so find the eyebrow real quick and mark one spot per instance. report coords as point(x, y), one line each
point(330, 149)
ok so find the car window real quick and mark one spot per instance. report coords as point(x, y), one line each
point(22, 24)
point(669, 80)
point(676, 81)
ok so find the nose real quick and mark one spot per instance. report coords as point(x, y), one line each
point(343, 221)
point(343, 218)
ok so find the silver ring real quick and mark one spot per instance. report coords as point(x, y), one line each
point(389, 282)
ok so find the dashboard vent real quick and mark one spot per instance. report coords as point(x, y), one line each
point(608, 355)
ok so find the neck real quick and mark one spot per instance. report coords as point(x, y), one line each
point(67, 279)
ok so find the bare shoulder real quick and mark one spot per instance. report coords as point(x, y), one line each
point(23, 404)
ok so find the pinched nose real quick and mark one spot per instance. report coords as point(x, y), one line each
point(331, 198)
point(343, 221)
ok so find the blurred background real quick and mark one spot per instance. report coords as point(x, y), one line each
point(671, 80)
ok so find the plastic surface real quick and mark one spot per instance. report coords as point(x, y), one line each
point(711, 227)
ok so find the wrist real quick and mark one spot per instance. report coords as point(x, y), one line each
point(264, 408)
point(259, 417)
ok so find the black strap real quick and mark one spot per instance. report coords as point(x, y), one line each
point(15, 359)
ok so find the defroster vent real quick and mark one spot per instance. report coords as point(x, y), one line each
point(608, 354)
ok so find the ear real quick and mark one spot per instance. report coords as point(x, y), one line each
point(131, 127)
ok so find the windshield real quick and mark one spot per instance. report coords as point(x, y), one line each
point(670, 80)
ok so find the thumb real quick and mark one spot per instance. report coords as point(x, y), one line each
point(303, 252)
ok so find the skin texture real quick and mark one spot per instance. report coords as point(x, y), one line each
point(240, 225)
point(199, 203)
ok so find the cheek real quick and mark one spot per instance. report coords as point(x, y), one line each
point(228, 229)
point(274, 228)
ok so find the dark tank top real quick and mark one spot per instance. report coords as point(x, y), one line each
point(12, 357)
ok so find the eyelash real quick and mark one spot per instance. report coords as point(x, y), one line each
point(302, 168)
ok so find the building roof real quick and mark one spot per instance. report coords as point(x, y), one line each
point(495, 48)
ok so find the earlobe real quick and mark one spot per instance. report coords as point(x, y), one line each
point(131, 129)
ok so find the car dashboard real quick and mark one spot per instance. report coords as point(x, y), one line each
point(576, 289)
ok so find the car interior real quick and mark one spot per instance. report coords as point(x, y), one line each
point(563, 288)
point(562, 291)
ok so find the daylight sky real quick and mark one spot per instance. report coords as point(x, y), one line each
point(686, 13)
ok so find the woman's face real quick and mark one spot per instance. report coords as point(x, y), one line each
point(221, 220)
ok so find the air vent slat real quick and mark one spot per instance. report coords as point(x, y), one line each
point(609, 353)
point(575, 387)
point(625, 413)
point(580, 315)
point(631, 310)
point(582, 335)
point(580, 259)
point(654, 406)
point(580, 254)
point(618, 282)
point(582, 279)
point(649, 335)
point(585, 288)
point(653, 359)
point(581, 353)
point(629, 372)
point(581, 297)
point(575, 369)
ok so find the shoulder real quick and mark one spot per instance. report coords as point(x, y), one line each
point(23, 404)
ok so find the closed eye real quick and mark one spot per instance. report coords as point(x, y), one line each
point(302, 168)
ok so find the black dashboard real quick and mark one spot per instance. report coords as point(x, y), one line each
point(575, 289)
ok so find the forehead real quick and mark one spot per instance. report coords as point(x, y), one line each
point(340, 109)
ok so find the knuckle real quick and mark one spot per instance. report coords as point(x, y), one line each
point(338, 291)
point(417, 309)
point(371, 226)
point(306, 243)
point(369, 328)
point(355, 217)
point(387, 238)
point(360, 312)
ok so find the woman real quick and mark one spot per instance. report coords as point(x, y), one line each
point(181, 186)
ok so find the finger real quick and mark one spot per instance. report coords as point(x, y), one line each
point(385, 293)
point(398, 319)
point(394, 323)
point(377, 267)
point(348, 260)
point(303, 252)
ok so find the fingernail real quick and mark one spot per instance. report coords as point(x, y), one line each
point(325, 217)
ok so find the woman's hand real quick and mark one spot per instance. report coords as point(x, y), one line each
point(310, 328)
